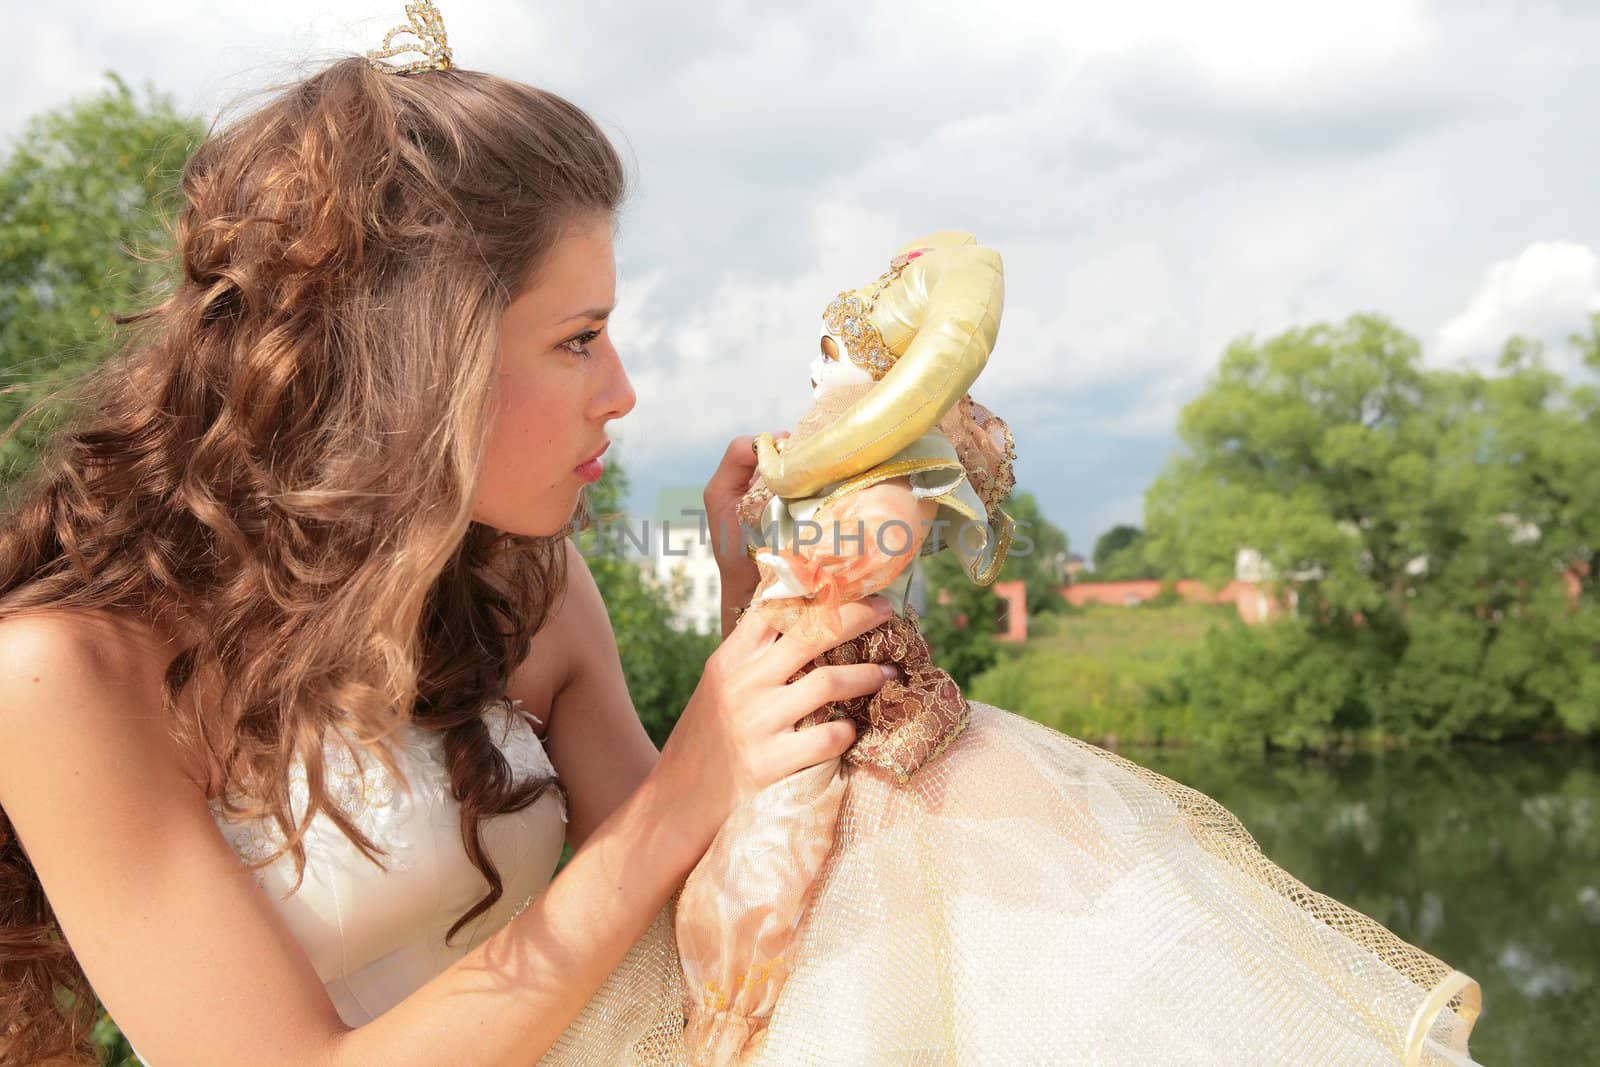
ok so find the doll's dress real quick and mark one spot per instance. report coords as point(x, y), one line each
point(374, 935)
point(1017, 897)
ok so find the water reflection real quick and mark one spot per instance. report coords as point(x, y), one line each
point(1488, 857)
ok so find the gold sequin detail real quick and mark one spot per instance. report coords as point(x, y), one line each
point(849, 317)
point(910, 720)
point(522, 906)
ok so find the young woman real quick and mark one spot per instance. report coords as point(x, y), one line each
point(293, 644)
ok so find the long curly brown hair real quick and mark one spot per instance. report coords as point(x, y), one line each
point(279, 460)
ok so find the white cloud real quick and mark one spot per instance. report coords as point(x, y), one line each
point(1545, 294)
point(1160, 177)
point(634, 323)
point(1125, 510)
point(736, 361)
point(1258, 46)
point(1155, 411)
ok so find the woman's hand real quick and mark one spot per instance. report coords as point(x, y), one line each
point(733, 478)
point(737, 735)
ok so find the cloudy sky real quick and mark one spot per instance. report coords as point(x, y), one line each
point(1160, 178)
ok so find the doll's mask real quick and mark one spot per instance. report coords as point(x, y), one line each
point(831, 368)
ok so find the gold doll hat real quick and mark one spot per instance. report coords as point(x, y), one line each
point(924, 330)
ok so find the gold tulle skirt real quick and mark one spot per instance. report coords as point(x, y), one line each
point(1027, 898)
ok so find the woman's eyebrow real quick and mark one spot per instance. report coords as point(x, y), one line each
point(592, 313)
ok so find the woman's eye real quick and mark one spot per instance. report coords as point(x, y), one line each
point(579, 345)
point(830, 351)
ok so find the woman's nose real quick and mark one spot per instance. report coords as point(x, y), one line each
point(617, 398)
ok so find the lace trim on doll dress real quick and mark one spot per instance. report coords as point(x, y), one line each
point(367, 794)
point(986, 448)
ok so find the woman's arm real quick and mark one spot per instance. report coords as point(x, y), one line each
point(198, 967)
point(179, 941)
point(188, 954)
point(186, 951)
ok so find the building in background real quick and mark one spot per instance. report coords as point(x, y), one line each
point(672, 547)
point(676, 557)
point(1249, 592)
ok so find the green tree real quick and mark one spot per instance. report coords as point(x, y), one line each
point(1113, 541)
point(661, 663)
point(1119, 556)
point(1291, 685)
point(85, 195)
point(959, 631)
point(1422, 518)
point(1307, 448)
point(1499, 642)
point(1039, 555)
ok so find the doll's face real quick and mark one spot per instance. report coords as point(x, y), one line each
point(832, 367)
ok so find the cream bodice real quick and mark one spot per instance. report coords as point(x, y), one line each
point(376, 935)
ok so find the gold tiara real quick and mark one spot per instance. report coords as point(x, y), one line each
point(849, 316)
point(426, 26)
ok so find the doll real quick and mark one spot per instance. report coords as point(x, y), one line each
point(841, 531)
point(965, 885)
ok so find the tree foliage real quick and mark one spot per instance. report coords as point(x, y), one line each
point(1038, 556)
point(1119, 556)
point(959, 622)
point(1113, 541)
point(661, 663)
point(1428, 523)
point(84, 195)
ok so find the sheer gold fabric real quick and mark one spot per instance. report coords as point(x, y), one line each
point(1029, 898)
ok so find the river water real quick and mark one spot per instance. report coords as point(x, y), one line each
point(1486, 856)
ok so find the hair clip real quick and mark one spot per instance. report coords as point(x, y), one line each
point(426, 25)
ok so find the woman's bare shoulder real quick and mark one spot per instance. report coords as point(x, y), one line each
point(577, 623)
point(89, 633)
point(149, 895)
point(44, 646)
point(74, 669)
point(593, 733)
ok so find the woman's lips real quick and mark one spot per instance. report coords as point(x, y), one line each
point(591, 469)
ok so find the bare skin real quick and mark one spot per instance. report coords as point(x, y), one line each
point(190, 956)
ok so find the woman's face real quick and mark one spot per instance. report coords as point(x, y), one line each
point(560, 381)
point(833, 367)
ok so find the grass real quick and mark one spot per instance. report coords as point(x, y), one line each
point(1100, 672)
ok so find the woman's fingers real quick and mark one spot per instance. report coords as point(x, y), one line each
point(791, 651)
point(749, 637)
point(811, 745)
point(732, 475)
point(824, 685)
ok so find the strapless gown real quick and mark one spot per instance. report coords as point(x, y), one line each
point(377, 935)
